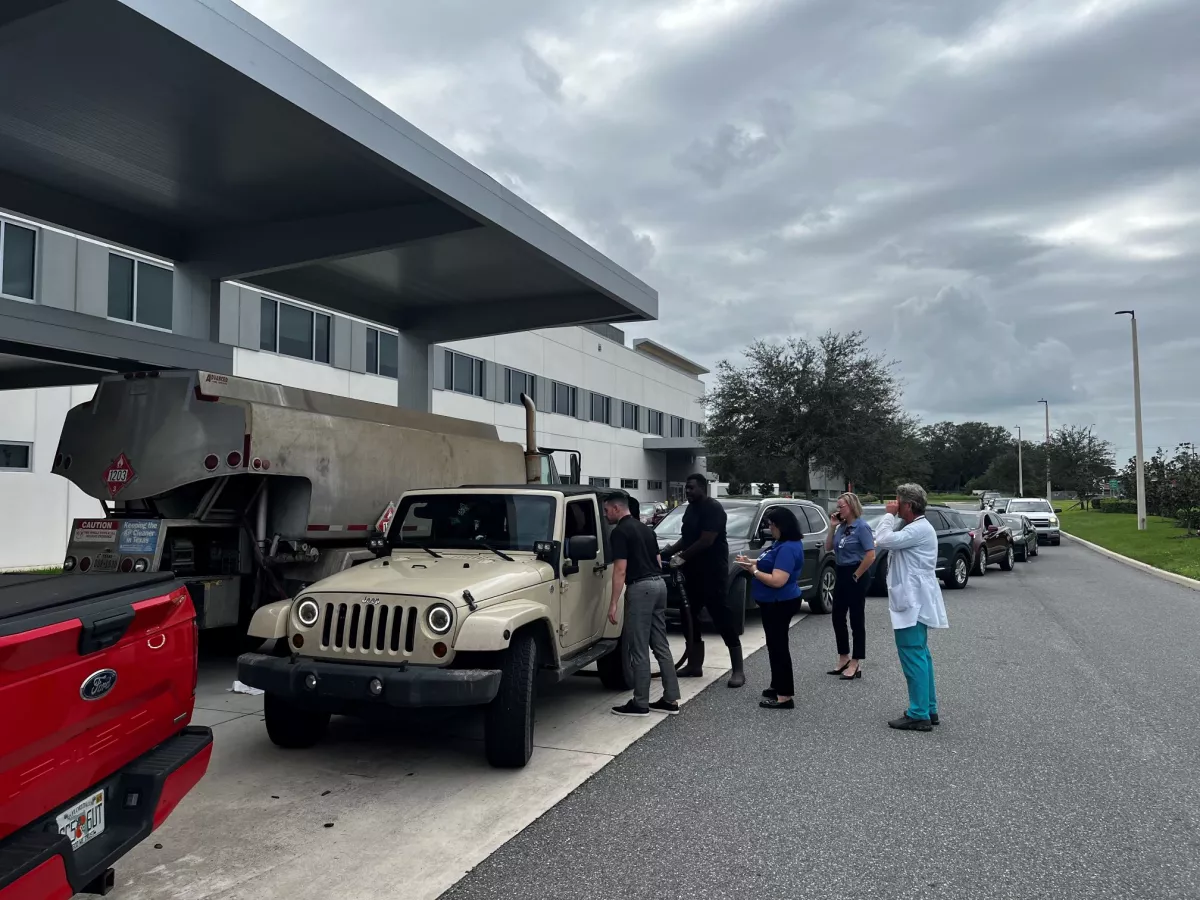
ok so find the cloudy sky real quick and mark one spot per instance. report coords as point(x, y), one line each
point(976, 184)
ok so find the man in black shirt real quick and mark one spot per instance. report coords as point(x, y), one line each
point(638, 572)
point(703, 551)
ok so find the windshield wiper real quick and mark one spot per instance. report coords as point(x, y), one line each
point(422, 547)
point(487, 546)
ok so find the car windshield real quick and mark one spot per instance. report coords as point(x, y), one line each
point(463, 521)
point(1027, 506)
point(969, 520)
point(738, 520)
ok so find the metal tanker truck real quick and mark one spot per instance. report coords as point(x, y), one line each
point(250, 491)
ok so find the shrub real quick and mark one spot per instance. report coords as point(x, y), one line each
point(1118, 506)
point(1187, 518)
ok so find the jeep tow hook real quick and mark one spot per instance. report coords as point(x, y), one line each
point(470, 600)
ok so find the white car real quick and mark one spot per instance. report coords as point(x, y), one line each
point(1043, 516)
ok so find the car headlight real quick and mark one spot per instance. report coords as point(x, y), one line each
point(1054, 520)
point(439, 618)
point(307, 612)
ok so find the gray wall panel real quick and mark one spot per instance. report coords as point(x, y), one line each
point(358, 347)
point(541, 390)
point(584, 408)
point(229, 314)
point(250, 320)
point(91, 279)
point(342, 355)
point(413, 389)
point(56, 269)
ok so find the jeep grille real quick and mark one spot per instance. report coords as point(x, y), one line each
point(371, 628)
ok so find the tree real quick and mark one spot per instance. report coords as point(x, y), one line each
point(797, 405)
point(735, 487)
point(890, 455)
point(961, 453)
point(1080, 461)
point(766, 489)
point(1185, 484)
point(1001, 475)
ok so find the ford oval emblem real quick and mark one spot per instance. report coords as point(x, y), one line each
point(98, 684)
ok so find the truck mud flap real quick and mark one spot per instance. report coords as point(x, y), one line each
point(37, 862)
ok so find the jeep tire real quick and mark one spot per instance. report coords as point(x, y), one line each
point(290, 726)
point(508, 719)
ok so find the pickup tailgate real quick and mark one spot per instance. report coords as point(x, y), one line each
point(94, 673)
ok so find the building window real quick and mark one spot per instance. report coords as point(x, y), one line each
point(566, 399)
point(678, 427)
point(294, 331)
point(654, 485)
point(629, 415)
point(598, 482)
point(17, 250)
point(695, 428)
point(519, 383)
point(464, 374)
point(601, 409)
point(656, 422)
point(140, 292)
point(383, 353)
point(16, 457)
point(629, 484)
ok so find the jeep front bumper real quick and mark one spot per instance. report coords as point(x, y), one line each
point(334, 685)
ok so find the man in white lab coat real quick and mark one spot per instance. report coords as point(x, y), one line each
point(914, 599)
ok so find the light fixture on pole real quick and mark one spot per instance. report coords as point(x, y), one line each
point(1020, 467)
point(1140, 463)
point(1049, 490)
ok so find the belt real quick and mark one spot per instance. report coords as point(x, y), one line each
point(643, 578)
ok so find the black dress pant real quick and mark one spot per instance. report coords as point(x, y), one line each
point(850, 596)
point(777, 621)
point(707, 589)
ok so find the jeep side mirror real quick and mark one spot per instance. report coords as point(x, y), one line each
point(582, 548)
point(377, 543)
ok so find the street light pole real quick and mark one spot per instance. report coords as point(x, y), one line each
point(1137, 421)
point(1049, 490)
point(1020, 467)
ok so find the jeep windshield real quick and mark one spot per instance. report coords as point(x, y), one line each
point(471, 521)
point(738, 520)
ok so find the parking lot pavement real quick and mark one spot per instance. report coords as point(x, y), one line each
point(400, 810)
point(1065, 766)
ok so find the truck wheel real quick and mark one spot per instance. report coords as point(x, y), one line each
point(290, 726)
point(508, 720)
point(738, 601)
point(821, 601)
point(615, 674)
point(956, 579)
point(1007, 563)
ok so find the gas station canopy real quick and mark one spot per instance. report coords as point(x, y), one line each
point(190, 131)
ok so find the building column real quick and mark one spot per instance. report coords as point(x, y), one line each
point(415, 369)
point(196, 306)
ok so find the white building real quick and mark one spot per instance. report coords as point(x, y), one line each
point(633, 412)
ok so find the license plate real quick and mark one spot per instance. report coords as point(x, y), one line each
point(106, 562)
point(83, 821)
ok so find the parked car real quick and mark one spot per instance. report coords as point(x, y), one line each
point(653, 513)
point(955, 549)
point(1000, 504)
point(986, 498)
point(1025, 536)
point(1043, 516)
point(747, 533)
point(992, 541)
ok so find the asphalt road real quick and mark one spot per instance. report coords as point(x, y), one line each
point(1067, 765)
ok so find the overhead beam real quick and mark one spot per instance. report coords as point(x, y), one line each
point(456, 321)
point(261, 249)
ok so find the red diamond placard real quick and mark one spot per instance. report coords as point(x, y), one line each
point(118, 476)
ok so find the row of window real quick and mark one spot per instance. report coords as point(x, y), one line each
point(627, 484)
point(465, 375)
point(17, 257)
point(16, 457)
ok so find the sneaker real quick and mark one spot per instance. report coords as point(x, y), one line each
point(904, 723)
point(933, 718)
point(630, 709)
point(670, 707)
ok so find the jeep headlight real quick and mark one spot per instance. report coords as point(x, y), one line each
point(439, 618)
point(307, 612)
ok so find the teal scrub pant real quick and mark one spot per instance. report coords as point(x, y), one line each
point(913, 646)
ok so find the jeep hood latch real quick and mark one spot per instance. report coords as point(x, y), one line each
point(470, 600)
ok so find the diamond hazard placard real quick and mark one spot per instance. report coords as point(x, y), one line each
point(118, 475)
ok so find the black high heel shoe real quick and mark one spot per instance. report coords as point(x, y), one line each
point(841, 669)
point(857, 674)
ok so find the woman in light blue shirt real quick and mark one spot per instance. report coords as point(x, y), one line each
point(853, 545)
point(776, 590)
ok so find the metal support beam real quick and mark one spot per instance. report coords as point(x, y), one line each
point(453, 322)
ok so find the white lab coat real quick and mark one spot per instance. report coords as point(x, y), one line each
point(914, 594)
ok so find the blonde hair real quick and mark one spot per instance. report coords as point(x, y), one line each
point(853, 502)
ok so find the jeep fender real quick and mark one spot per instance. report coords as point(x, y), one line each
point(270, 621)
point(493, 628)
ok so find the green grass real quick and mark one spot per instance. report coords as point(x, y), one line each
point(1161, 545)
point(55, 570)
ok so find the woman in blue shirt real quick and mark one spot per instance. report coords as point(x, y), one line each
point(853, 544)
point(776, 590)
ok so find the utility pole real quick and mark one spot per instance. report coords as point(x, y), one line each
point(1137, 422)
point(1049, 490)
point(1020, 467)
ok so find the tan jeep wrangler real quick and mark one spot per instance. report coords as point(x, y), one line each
point(475, 594)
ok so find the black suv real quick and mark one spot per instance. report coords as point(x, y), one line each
point(748, 533)
point(955, 548)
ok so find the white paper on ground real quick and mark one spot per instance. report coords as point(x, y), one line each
point(239, 688)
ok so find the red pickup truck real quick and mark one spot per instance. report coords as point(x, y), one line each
point(97, 686)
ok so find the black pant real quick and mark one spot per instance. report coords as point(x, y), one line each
point(707, 589)
point(777, 619)
point(850, 595)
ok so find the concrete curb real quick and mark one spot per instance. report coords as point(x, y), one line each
point(1181, 580)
